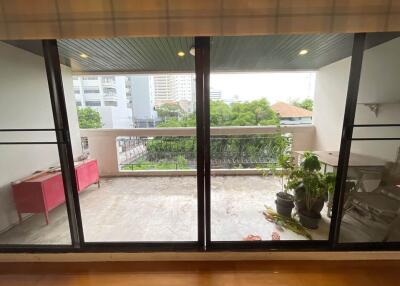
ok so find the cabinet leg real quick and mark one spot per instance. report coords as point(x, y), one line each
point(19, 217)
point(46, 216)
point(98, 184)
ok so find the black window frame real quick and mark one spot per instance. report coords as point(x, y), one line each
point(204, 242)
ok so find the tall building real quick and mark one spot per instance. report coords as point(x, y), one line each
point(140, 92)
point(215, 94)
point(107, 95)
point(175, 88)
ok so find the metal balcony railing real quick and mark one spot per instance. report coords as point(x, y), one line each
point(227, 152)
point(172, 151)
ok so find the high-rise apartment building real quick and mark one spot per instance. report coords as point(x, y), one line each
point(215, 94)
point(140, 93)
point(175, 88)
point(107, 95)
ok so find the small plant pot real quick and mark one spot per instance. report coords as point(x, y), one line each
point(284, 204)
point(310, 221)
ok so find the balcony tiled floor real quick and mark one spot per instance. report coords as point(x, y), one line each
point(163, 209)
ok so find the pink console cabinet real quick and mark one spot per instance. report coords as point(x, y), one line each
point(45, 191)
point(86, 173)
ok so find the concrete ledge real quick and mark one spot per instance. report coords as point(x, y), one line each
point(195, 256)
point(191, 172)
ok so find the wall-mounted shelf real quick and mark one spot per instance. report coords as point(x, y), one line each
point(375, 106)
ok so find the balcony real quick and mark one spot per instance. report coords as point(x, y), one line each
point(152, 196)
point(112, 161)
point(239, 194)
point(172, 200)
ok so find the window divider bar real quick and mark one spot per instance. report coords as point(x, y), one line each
point(347, 133)
point(199, 69)
point(29, 130)
point(375, 139)
point(31, 143)
point(60, 116)
point(376, 125)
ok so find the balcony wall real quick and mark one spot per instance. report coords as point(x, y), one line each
point(102, 145)
point(379, 85)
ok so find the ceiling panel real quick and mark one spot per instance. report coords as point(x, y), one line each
point(246, 53)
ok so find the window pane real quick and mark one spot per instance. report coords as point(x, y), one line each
point(25, 99)
point(372, 198)
point(31, 184)
point(137, 123)
point(379, 92)
point(272, 99)
point(376, 132)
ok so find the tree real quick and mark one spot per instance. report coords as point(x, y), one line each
point(89, 118)
point(255, 148)
point(307, 103)
point(251, 113)
point(170, 110)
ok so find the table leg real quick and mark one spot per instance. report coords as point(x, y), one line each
point(46, 216)
point(19, 217)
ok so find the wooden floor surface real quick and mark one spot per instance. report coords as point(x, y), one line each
point(252, 273)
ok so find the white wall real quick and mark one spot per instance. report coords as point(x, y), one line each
point(380, 83)
point(25, 103)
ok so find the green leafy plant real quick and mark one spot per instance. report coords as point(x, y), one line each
point(308, 177)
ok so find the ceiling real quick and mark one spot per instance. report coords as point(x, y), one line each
point(229, 53)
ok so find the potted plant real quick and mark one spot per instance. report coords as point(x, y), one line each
point(284, 201)
point(310, 187)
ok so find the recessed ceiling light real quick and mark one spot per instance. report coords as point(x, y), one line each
point(303, 52)
point(84, 56)
point(192, 51)
point(181, 54)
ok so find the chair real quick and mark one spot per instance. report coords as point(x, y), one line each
point(383, 203)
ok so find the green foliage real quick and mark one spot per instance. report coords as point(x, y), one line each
point(170, 110)
point(310, 162)
point(181, 164)
point(308, 176)
point(305, 103)
point(330, 181)
point(252, 113)
point(89, 118)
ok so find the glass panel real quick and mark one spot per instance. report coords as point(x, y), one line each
point(25, 100)
point(379, 93)
point(137, 122)
point(377, 132)
point(372, 198)
point(31, 184)
point(272, 99)
point(28, 136)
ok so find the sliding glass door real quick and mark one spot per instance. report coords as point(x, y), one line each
point(200, 143)
point(371, 199)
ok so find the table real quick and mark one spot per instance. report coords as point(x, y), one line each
point(331, 158)
point(44, 191)
point(357, 162)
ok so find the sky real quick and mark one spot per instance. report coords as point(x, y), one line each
point(274, 86)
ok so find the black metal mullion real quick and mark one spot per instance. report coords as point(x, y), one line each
point(376, 125)
point(199, 68)
point(57, 97)
point(31, 143)
point(29, 130)
point(375, 138)
point(207, 155)
point(347, 133)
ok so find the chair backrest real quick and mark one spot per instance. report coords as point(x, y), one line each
point(392, 174)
